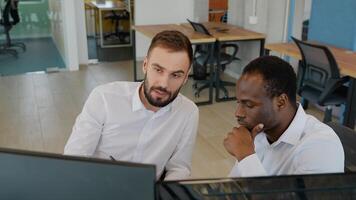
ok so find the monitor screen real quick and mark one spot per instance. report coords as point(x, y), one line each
point(34, 175)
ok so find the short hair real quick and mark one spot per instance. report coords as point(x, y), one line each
point(278, 75)
point(173, 40)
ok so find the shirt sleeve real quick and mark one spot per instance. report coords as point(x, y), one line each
point(179, 165)
point(248, 167)
point(88, 127)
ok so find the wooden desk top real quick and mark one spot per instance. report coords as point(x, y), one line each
point(194, 37)
point(109, 5)
point(345, 59)
point(228, 32)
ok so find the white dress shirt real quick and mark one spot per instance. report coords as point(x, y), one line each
point(114, 122)
point(307, 146)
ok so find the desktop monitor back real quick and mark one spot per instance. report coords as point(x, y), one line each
point(33, 175)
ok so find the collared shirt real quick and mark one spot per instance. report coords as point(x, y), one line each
point(114, 122)
point(307, 146)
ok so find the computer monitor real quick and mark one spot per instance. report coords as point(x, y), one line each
point(34, 175)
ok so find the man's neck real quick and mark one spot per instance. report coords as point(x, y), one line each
point(285, 120)
point(144, 100)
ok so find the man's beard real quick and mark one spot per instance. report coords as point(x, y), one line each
point(158, 102)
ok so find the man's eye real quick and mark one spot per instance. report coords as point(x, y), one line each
point(176, 75)
point(158, 70)
point(249, 105)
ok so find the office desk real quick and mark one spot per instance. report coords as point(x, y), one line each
point(346, 61)
point(109, 6)
point(302, 187)
point(195, 38)
point(223, 32)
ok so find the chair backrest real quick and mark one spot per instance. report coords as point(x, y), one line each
point(202, 53)
point(202, 48)
point(223, 18)
point(319, 64)
point(198, 27)
point(348, 140)
point(10, 10)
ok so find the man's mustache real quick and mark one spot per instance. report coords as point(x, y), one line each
point(161, 89)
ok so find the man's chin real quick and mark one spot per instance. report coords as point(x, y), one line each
point(247, 126)
point(159, 102)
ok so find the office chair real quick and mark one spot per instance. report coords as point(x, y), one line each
point(348, 138)
point(115, 18)
point(205, 55)
point(320, 79)
point(11, 10)
point(4, 49)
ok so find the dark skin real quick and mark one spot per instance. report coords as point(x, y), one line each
point(256, 112)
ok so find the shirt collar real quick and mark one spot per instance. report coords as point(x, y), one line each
point(295, 129)
point(138, 105)
point(136, 101)
point(293, 132)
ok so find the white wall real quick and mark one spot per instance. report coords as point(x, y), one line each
point(201, 10)
point(159, 12)
point(67, 31)
point(56, 18)
point(236, 12)
point(271, 21)
point(81, 32)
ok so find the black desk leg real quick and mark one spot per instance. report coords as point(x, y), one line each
point(262, 47)
point(211, 81)
point(267, 52)
point(134, 53)
point(216, 72)
point(350, 110)
point(217, 76)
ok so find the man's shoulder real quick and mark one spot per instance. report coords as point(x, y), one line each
point(117, 87)
point(187, 104)
point(317, 131)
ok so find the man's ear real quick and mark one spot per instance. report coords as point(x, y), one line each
point(145, 65)
point(187, 75)
point(281, 101)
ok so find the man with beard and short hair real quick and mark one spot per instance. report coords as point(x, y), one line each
point(148, 122)
point(275, 136)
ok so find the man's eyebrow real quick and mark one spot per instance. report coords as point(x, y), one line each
point(157, 65)
point(243, 100)
point(174, 72)
point(178, 72)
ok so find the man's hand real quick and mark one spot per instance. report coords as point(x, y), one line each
point(240, 141)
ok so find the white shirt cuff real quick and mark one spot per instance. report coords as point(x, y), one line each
point(248, 167)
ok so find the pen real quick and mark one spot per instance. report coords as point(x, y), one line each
point(112, 158)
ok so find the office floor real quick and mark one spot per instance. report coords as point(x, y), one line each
point(37, 112)
point(41, 53)
point(108, 54)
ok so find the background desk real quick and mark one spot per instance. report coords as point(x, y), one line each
point(346, 61)
point(195, 38)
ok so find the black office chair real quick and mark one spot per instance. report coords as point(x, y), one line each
point(115, 18)
point(10, 17)
point(348, 140)
point(204, 56)
point(320, 79)
point(3, 48)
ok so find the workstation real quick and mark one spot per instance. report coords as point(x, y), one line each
point(97, 129)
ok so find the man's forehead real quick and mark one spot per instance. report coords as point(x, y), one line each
point(169, 59)
point(251, 85)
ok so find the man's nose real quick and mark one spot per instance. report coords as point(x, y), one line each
point(240, 112)
point(164, 81)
